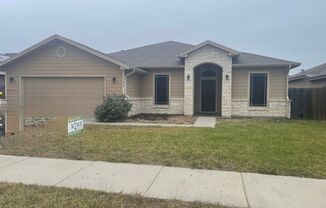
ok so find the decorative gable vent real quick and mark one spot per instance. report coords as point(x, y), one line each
point(61, 51)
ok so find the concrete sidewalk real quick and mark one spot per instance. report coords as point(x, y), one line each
point(226, 188)
point(90, 121)
point(205, 121)
point(201, 121)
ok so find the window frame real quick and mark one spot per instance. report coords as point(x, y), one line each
point(154, 88)
point(267, 89)
point(6, 86)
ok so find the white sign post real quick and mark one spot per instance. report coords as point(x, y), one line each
point(75, 126)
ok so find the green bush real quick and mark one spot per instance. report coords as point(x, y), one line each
point(114, 108)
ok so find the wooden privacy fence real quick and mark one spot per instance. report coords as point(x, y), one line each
point(308, 103)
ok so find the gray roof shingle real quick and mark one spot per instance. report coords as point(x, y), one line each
point(3, 57)
point(156, 55)
point(317, 71)
point(254, 59)
point(165, 54)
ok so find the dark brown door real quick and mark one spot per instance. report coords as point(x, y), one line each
point(208, 96)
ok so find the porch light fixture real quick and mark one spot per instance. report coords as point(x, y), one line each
point(114, 79)
point(227, 77)
point(11, 79)
point(188, 77)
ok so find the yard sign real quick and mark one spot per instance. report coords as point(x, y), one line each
point(75, 125)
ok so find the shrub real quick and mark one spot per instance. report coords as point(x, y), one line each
point(114, 108)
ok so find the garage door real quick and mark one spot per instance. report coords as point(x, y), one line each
point(62, 95)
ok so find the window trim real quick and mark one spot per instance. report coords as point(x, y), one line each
point(154, 81)
point(267, 88)
point(6, 87)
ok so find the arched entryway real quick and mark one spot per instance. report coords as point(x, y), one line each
point(208, 89)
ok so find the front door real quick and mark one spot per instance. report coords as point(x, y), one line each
point(208, 96)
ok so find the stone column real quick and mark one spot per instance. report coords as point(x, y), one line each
point(189, 90)
point(227, 91)
point(212, 55)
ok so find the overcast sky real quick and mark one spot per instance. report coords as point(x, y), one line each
point(287, 29)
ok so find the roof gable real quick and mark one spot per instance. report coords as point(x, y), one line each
point(68, 41)
point(231, 51)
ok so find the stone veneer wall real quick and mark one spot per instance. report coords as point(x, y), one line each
point(275, 108)
point(208, 54)
point(36, 120)
point(146, 105)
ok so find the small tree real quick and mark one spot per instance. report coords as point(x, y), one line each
point(114, 108)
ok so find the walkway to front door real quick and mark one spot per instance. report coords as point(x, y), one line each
point(205, 121)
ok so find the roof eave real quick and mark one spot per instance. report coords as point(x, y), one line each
point(322, 76)
point(141, 71)
point(158, 67)
point(297, 78)
point(289, 66)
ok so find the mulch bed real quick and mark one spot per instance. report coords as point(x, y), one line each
point(161, 118)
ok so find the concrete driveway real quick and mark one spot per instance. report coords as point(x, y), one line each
point(223, 187)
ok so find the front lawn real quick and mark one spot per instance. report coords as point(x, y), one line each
point(31, 196)
point(280, 147)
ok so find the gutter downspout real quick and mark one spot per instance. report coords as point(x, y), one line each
point(288, 101)
point(125, 80)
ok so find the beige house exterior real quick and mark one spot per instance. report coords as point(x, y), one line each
point(58, 76)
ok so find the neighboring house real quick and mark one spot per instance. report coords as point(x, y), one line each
point(58, 76)
point(3, 58)
point(311, 78)
point(6, 56)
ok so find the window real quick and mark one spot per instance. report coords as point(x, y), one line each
point(161, 89)
point(258, 89)
point(2, 86)
point(208, 73)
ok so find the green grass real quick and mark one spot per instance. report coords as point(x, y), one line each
point(31, 196)
point(279, 147)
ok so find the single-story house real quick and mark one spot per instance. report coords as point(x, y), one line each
point(310, 78)
point(3, 58)
point(59, 76)
point(6, 56)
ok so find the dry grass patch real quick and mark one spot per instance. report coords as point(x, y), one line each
point(30, 196)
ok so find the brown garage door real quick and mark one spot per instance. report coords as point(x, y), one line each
point(62, 95)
